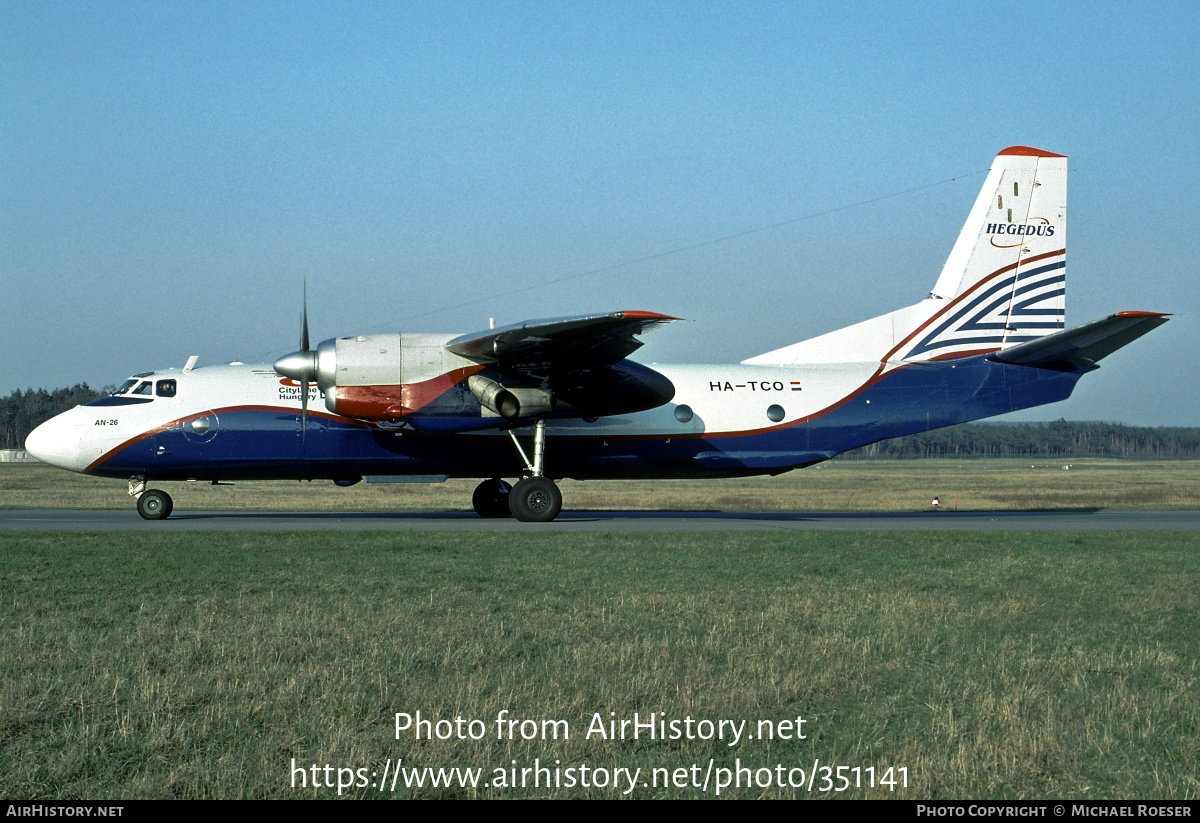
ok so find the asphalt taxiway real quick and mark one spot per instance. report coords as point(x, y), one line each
point(1057, 520)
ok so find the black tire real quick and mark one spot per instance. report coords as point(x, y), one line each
point(535, 500)
point(155, 505)
point(491, 498)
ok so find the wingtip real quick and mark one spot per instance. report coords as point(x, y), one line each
point(635, 314)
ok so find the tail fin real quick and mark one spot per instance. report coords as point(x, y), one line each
point(1005, 278)
point(1003, 284)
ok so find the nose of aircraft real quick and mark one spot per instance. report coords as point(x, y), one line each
point(55, 442)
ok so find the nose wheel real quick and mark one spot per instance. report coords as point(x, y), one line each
point(154, 505)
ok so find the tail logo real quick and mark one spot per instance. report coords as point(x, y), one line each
point(1022, 230)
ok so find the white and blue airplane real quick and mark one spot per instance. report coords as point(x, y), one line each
point(990, 338)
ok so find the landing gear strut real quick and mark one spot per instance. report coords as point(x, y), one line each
point(535, 498)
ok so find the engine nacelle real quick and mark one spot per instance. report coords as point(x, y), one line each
point(383, 376)
point(393, 377)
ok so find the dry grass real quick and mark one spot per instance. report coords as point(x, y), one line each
point(900, 485)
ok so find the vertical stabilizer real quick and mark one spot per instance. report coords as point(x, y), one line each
point(1003, 284)
point(1005, 279)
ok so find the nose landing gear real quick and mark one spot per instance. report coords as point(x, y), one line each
point(152, 504)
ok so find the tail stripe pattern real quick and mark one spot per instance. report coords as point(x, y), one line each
point(989, 314)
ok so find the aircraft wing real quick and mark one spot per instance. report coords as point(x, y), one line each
point(1083, 345)
point(586, 341)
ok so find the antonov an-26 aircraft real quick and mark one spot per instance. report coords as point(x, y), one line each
point(549, 399)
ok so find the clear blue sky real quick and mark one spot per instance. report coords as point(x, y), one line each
point(169, 172)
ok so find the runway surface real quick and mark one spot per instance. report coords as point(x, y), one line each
point(1060, 520)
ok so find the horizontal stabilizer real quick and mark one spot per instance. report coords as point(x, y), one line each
point(1084, 345)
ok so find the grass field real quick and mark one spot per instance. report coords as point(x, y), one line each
point(875, 485)
point(986, 665)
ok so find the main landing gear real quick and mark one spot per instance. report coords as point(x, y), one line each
point(534, 499)
point(491, 498)
point(152, 504)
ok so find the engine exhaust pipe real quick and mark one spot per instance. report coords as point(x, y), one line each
point(494, 396)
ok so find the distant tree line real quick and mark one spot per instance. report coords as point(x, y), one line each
point(22, 411)
point(1052, 441)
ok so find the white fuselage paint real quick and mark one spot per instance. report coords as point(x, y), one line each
point(723, 399)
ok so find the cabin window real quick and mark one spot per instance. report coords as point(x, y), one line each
point(775, 412)
point(683, 414)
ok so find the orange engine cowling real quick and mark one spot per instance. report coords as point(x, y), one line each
point(383, 376)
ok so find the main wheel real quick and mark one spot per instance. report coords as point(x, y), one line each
point(155, 505)
point(491, 498)
point(535, 500)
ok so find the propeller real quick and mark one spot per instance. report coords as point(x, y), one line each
point(304, 349)
point(301, 365)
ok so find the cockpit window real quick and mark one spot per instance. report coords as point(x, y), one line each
point(126, 386)
point(165, 388)
point(143, 388)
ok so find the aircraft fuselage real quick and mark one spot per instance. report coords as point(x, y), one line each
point(244, 422)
